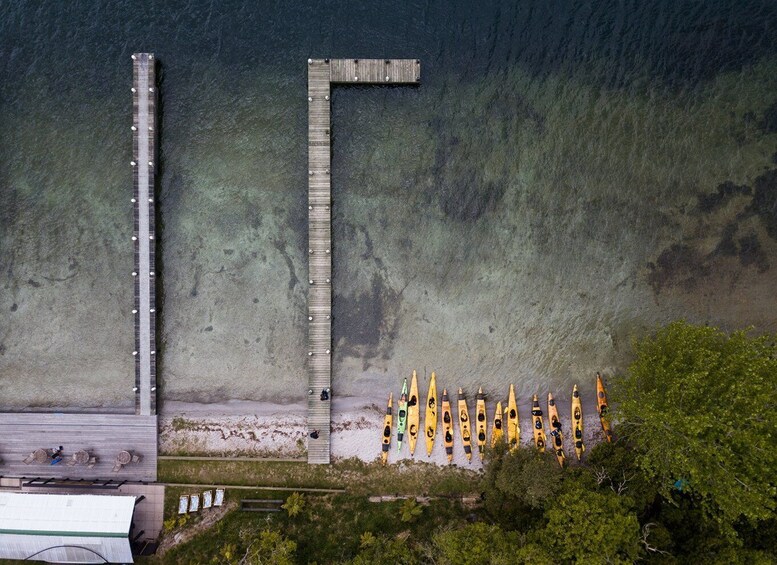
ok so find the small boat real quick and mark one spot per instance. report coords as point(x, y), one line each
point(601, 402)
point(497, 433)
point(447, 425)
point(556, 436)
point(577, 423)
point(402, 416)
point(413, 414)
point(539, 433)
point(387, 431)
point(466, 434)
point(482, 424)
point(513, 422)
point(430, 418)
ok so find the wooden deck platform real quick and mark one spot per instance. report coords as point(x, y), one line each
point(321, 74)
point(375, 71)
point(103, 435)
point(143, 164)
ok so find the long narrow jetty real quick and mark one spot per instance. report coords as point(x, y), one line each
point(144, 171)
point(322, 73)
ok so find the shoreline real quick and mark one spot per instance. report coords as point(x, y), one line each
point(280, 430)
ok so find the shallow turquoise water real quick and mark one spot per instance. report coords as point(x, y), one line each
point(563, 179)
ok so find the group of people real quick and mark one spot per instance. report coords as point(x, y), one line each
point(324, 396)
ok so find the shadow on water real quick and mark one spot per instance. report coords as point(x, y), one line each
point(160, 249)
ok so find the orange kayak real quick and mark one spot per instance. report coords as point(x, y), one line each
point(539, 432)
point(603, 408)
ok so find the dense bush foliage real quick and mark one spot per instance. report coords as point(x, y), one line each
point(700, 408)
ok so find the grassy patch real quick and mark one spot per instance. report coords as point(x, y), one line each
point(354, 475)
point(329, 527)
point(328, 530)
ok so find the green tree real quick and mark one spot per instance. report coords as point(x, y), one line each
point(592, 527)
point(612, 467)
point(294, 504)
point(270, 548)
point(517, 484)
point(410, 510)
point(383, 550)
point(699, 406)
point(532, 554)
point(476, 544)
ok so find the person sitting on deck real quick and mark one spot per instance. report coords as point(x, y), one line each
point(314, 434)
point(325, 394)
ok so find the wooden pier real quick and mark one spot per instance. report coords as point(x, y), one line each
point(144, 236)
point(322, 73)
point(103, 436)
point(92, 442)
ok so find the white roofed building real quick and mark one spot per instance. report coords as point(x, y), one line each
point(66, 528)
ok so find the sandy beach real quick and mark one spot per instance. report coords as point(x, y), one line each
point(280, 430)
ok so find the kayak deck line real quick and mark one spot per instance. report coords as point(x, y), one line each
point(322, 73)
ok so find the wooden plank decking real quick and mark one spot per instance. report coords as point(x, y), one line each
point(375, 71)
point(144, 235)
point(321, 74)
point(320, 260)
point(103, 435)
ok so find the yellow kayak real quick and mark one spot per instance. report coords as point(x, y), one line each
point(447, 425)
point(577, 423)
point(556, 437)
point(536, 415)
point(601, 402)
point(430, 418)
point(387, 431)
point(482, 425)
point(497, 432)
point(413, 414)
point(466, 434)
point(513, 422)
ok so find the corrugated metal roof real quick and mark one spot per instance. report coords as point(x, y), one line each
point(65, 549)
point(66, 514)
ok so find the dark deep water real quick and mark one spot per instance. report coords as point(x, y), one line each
point(566, 177)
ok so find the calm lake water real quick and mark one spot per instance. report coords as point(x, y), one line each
point(567, 177)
